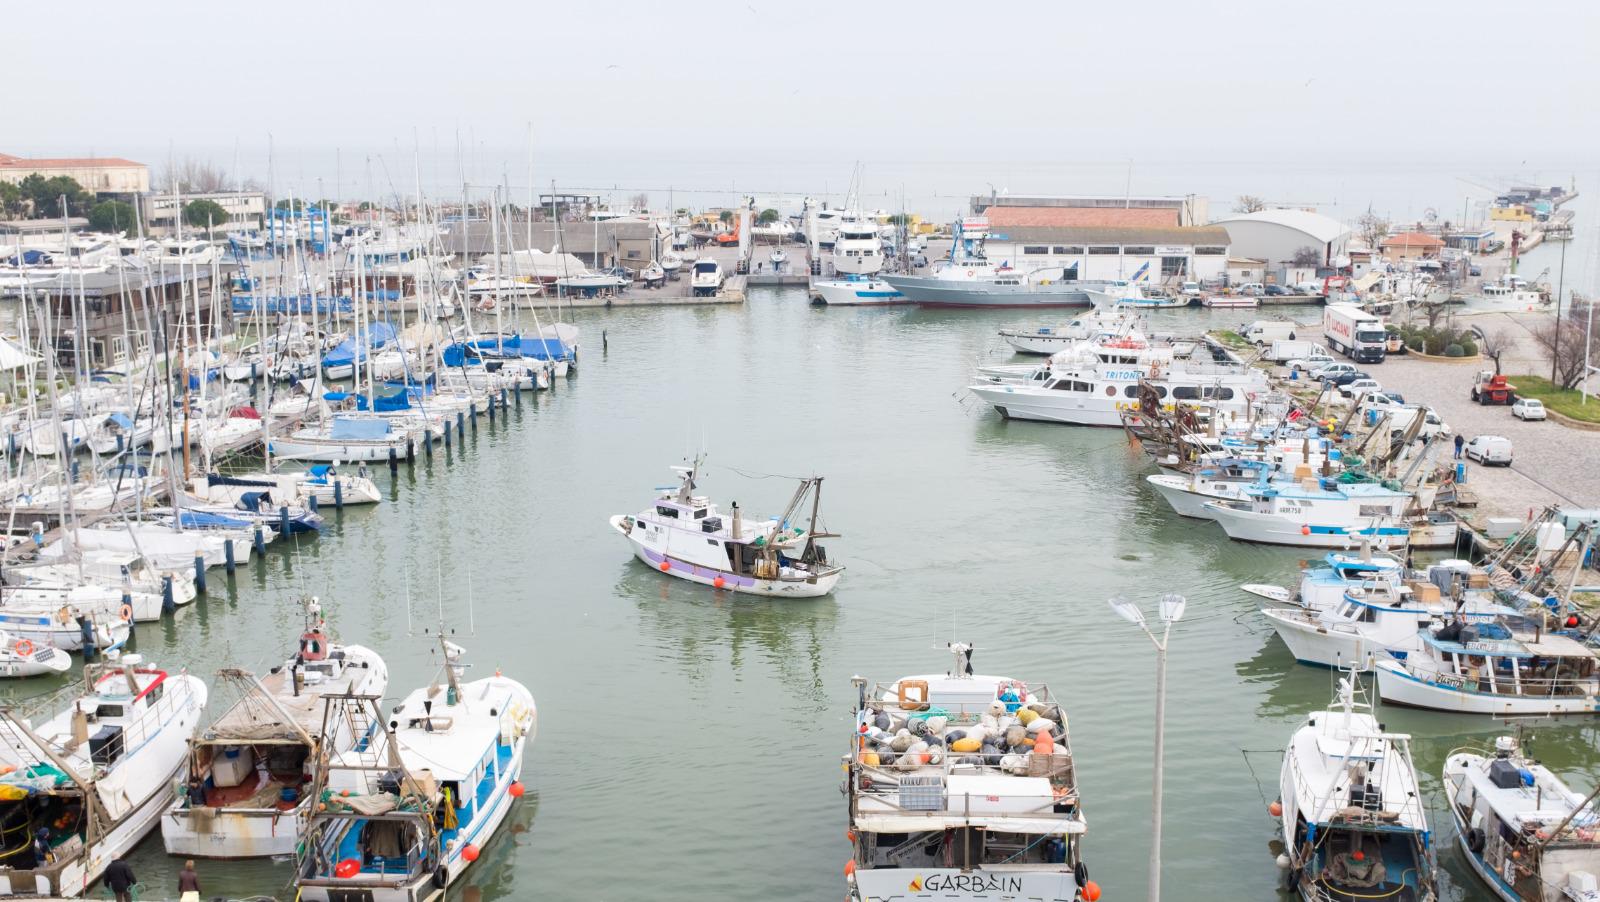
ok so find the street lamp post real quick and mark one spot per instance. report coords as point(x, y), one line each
point(1561, 284)
point(1172, 606)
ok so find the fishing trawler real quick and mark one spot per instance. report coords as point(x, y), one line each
point(1527, 836)
point(248, 772)
point(90, 781)
point(1484, 669)
point(403, 812)
point(684, 535)
point(1351, 812)
point(962, 786)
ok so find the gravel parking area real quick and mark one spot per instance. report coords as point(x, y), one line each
point(1552, 463)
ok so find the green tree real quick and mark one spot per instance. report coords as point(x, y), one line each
point(204, 214)
point(768, 217)
point(46, 195)
point(725, 216)
point(10, 199)
point(112, 216)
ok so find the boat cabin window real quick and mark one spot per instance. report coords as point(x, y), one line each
point(1186, 393)
point(1035, 249)
point(104, 710)
point(154, 695)
point(1131, 391)
point(664, 511)
point(699, 513)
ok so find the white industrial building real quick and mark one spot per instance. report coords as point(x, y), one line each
point(1278, 236)
point(244, 208)
point(1156, 255)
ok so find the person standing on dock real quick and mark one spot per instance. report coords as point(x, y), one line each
point(1459, 442)
point(120, 880)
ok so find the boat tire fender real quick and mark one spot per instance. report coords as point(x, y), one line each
point(1475, 840)
point(1080, 873)
point(441, 876)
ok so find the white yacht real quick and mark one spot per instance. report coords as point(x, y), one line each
point(857, 249)
point(962, 786)
point(1525, 833)
point(1107, 320)
point(412, 805)
point(93, 779)
point(1317, 513)
point(1353, 818)
point(249, 771)
point(856, 291)
point(685, 535)
point(706, 276)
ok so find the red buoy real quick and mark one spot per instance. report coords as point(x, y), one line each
point(665, 566)
point(719, 582)
point(1091, 891)
point(1305, 530)
point(346, 869)
point(517, 789)
point(469, 852)
point(1275, 809)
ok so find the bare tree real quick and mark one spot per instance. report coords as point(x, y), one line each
point(640, 201)
point(1494, 345)
point(194, 177)
point(1306, 256)
point(1372, 227)
point(1249, 203)
point(1564, 342)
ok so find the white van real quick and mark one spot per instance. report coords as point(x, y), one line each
point(1267, 331)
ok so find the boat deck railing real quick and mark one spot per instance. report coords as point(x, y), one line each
point(1377, 812)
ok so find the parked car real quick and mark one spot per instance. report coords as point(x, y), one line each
point(1489, 450)
point(1332, 370)
point(1528, 409)
point(1310, 363)
point(1343, 379)
point(1355, 388)
point(1276, 290)
point(1190, 290)
point(1381, 400)
point(1475, 271)
point(1249, 288)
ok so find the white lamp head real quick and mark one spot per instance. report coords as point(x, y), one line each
point(1127, 610)
point(1172, 606)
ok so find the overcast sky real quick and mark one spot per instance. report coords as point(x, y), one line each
point(938, 99)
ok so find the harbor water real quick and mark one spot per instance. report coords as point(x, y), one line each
point(690, 740)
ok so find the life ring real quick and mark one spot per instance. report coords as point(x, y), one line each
point(24, 648)
point(125, 612)
point(907, 704)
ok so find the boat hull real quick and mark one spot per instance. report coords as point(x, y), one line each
point(1026, 403)
point(866, 293)
point(1399, 687)
point(1271, 529)
point(809, 587)
point(989, 884)
point(1184, 501)
point(1312, 643)
point(933, 292)
point(1042, 342)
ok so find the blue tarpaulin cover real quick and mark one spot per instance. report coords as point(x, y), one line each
point(345, 428)
point(121, 419)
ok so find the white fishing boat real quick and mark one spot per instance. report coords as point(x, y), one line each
point(856, 291)
point(410, 808)
point(705, 277)
point(1524, 832)
point(25, 658)
point(249, 772)
point(1323, 588)
point(962, 786)
point(90, 781)
point(1104, 321)
point(1189, 493)
point(1352, 814)
point(1223, 301)
point(1487, 670)
point(684, 535)
point(1315, 514)
point(1096, 385)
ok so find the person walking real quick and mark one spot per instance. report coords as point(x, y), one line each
point(188, 883)
point(120, 880)
point(1459, 442)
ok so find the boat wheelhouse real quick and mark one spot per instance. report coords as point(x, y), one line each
point(962, 786)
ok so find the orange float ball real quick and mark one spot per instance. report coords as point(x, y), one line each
point(1091, 891)
point(849, 835)
point(1304, 530)
point(517, 789)
point(469, 852)
point(665, 566)
point(850, 868)
point(1275, 809)
point(719, 582)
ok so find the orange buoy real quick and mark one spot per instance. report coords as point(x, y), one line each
point(849, 835)
point(1091, 891)
point(517, 789)
point(469, 852)
point(1275, 809)
point(850, 868)
point(1304, 530)
point(719, 582)
point(665, 566)
point(346, 869)
point(1359, 855)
